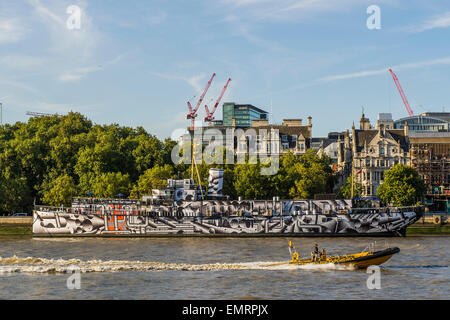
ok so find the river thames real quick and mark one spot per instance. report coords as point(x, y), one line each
point(215, 268)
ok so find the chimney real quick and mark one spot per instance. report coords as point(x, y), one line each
point(406, 129)
point(309, 121)
point(233, 122)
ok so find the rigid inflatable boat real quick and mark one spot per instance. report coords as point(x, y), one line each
point(368, 257)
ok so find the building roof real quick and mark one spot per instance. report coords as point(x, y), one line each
point(247, 105)
point(288, 130)
point(365, 136)
point(428, 134)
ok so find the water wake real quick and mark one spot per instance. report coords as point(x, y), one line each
point(42, 265)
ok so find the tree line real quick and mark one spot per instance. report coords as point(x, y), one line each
point(50, 159)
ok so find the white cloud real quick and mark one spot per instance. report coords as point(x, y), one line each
point(405, 66)
point(45, 12)
point(194, 81)
point(21, 86)
point(74, 44)
point(437, 21)
point(12, 30)
point(80, 73)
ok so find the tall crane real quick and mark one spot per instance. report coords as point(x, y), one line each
point(402, 94)
point(193, 112)
point(41, 114)
point(209, 114)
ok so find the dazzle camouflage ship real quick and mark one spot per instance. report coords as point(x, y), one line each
point(183, 208)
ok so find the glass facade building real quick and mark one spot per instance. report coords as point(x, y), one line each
point(242, 113)
point(426, 122)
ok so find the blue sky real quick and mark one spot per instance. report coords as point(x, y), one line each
point(137, 63)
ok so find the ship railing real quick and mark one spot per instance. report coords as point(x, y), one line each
point(131, 211)
point(52, 208)
point(417, 209)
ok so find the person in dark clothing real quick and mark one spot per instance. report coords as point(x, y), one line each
point(316, 252)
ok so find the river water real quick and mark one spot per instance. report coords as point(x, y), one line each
point(215, 268)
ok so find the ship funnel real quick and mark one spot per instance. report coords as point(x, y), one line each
point(215, 182)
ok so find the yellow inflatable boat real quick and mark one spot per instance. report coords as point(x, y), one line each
point(363, 259)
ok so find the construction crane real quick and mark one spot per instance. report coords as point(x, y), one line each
point(402, 94)
point(193, 112)
point(41, 114)
point(209, 114)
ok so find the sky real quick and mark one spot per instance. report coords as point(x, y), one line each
point(137, 63)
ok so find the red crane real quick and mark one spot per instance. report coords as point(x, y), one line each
point(193, 112)
point(402, 94)
point(209, 115)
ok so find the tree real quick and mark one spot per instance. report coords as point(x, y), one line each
point(15, 195)
point(111, 184)
point(402, 186)
point(154, 178)
point(315, 175)
point(345, 191)
point(59, 191)
point(249, 183)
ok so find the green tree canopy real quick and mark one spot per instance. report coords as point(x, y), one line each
point(59, 191)
point(345, 191)
point(402, 186)
point(111, 184)
point(154, 178)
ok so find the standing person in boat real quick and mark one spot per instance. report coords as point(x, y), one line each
point(316, 252)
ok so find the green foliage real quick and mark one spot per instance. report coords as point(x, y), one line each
point(345, 192)
point(59, 191)
point(154, 178)
point(15, 195)
point(50, 159)
point(298, 176)
point(111, 184)
point(249, 183)
point(314, 175)
point(402, 186)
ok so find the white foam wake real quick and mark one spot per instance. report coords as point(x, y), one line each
point(43, 265)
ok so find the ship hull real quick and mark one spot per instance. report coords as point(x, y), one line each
point(182, 220)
